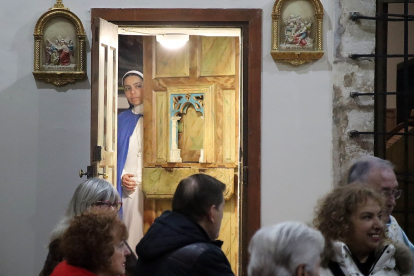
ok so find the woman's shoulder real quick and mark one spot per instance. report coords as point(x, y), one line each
point(54, 257)
point(64, 269)
point(333, 251)
point(403, 257)
point(325, 272)
point(125, 113)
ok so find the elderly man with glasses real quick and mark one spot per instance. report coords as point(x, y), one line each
point(378, 174)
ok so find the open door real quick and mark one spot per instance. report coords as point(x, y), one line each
point(226, 154)
point(104, 100)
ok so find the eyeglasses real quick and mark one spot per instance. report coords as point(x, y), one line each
point(107, 204)
point(395, 193)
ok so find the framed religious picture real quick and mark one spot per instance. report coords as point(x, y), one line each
point(297, 31)
point(59, 46)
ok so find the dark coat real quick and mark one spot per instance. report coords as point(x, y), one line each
point(176, 245)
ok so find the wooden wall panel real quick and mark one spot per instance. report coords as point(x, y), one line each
point(217, 56)
point(219, 128)
point(229, 226)
point(150, 134)
point(229, 124)
point(161, 183)
point(210, 123)
point(171, 63)
point(161, 126)
point(191, 137)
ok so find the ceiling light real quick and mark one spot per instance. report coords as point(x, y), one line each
point(172, 41)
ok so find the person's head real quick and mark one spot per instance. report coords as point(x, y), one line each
point(200, 198)
point(378, 174)
point(94, 194)
point(133, 83)
point(285, 249)
point(352, 214)
point(96, 242)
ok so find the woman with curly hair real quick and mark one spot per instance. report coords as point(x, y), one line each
point(93, 195)
point(349, 218)
point(93, 245)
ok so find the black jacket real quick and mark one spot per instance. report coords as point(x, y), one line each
point(175, 245)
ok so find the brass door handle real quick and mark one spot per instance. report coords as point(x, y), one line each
point(104, 175)
point(82, 173)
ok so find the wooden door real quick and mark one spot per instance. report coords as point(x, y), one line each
point(104, 99)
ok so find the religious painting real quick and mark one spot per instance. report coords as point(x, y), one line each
point(297, 31)
point(59, 42)
point(59, 46)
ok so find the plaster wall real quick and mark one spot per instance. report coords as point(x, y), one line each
point(44, 130)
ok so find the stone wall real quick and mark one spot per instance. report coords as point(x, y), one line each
point(352, 75)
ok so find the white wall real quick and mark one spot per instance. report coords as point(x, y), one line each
point(44, 130)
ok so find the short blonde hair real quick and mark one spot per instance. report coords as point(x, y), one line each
point(333, 212)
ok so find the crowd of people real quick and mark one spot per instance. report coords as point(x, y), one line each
point(353, 233)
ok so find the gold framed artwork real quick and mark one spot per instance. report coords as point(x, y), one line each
point(59, 46)
point(297, 31)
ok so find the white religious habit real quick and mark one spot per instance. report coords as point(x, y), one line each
point(133, 202)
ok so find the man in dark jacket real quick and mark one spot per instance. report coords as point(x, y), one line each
point(183, 241)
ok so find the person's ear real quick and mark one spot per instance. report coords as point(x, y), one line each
point(210, 213)
point(301, 271)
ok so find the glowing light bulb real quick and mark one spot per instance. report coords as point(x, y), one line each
point(173, 41)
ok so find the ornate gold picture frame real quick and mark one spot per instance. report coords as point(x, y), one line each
point(59, 46)
point(297, 31)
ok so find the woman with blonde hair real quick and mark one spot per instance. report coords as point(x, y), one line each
point(349, 218)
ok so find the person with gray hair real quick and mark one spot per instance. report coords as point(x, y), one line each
point(93, 195)
point(285, 249)
point(378, 174)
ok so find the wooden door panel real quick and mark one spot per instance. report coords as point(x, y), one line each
point(104, 99)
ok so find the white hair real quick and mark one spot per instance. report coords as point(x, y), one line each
point(281, 248)
point(359, 171)
point(86, 194)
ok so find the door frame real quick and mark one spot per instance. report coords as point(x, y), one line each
point(250, 23)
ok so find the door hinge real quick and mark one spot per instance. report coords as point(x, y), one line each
point(97, 154)
point(245, 174)
point(91, 172)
